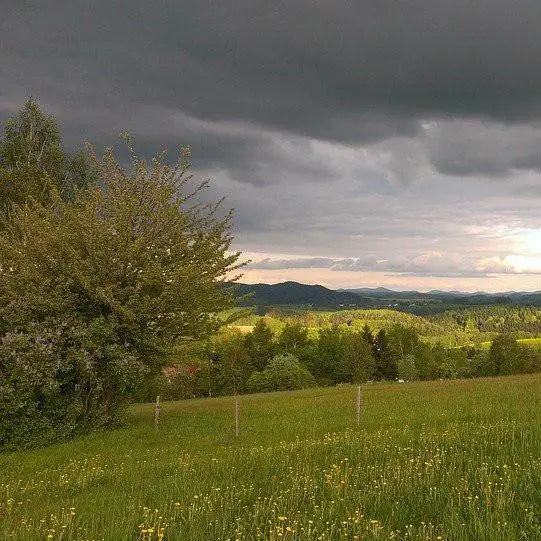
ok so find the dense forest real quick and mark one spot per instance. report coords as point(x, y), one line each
point(316, 297)
point(455, 327)
point(290, 351)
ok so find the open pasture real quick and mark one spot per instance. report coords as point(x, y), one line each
point(534, 343)
point(453, 460)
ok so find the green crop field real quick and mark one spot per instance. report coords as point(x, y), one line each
point(534, 343)
point(451, 460)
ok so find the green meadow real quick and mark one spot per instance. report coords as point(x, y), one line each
point(534, 343)
point(440, 460)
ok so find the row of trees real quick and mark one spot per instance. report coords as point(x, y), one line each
point(234, 362)
point(524, 320)
point(105, 272)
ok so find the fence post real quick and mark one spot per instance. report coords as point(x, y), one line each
point(358, 404)
point(236, 415)
point(157, 412)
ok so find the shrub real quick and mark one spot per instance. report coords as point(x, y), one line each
point(58, 378)
point(283, 373)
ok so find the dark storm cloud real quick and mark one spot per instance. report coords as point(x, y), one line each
point(468, 147)
point(351, 72)
point(334, 128)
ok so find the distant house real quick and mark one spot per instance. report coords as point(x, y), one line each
point(172, 371)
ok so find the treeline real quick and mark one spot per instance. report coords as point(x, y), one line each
point(451, 328)
point(262, 360)
point(493, 319)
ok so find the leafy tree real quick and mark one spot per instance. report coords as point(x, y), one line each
point(328, 363)
point(402, 340)
point(357, 358)
point(505, 355)
point(33, 162)
point(384, 360)
point(531, 359)
point(406, 368)
point(439, 362)
point(260, 345)
point(480, 365)
point(459, 360)
point(232, 361)
point(294, 339)
point(424, 362)
point(124, 272)
point(283, 373)
point(448, 363)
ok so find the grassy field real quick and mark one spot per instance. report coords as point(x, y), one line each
point(534, 343)
point(451, 460)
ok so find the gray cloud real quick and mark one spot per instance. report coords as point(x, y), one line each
point(431, 264)
point(356, 72)
point(373, 127)
point(470, 147)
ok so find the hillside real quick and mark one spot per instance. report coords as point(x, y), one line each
point(320, 297)
point(294, 293)
point(421, 455)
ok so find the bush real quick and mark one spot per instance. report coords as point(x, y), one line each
point(283, 373)
point(55, 381)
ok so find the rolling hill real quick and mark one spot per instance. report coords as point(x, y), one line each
point(318, 297)
point(293, 293)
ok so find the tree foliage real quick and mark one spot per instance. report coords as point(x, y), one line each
point(357, 358)
point(385, 360)
point(134, 260)
point(232, 362)
point(33, 162)
point(260, 345)
point(294, 339)
point(283, 373)
point(407, 370)
point(505, 356)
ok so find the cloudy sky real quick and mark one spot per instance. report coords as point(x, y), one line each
point(366, 143)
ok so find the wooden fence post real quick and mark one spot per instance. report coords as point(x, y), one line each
point(358, 404)
point(157, 412)
point(236, 415)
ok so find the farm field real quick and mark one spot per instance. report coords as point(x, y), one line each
point(441, 460)
point(451, 328)
point(534, 343)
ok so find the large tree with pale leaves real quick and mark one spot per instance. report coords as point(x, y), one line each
point(33, 161)
point(98, 289)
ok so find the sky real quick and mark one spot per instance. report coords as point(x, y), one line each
point(361, 144)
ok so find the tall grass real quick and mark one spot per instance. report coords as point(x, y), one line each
point(453, 460)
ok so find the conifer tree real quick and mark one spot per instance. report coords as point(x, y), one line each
point(259, 344)
point(366, 333)
point(386, 367)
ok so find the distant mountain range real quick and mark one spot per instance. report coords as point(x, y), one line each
point(318, 297)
